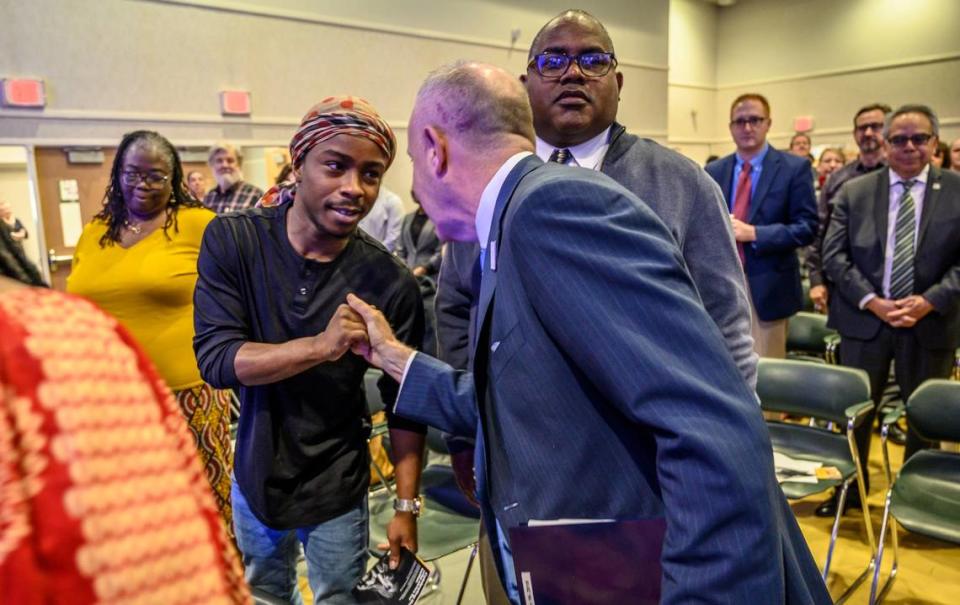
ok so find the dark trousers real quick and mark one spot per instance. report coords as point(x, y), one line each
point(912, 365)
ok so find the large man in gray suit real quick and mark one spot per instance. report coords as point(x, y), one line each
point(892, 252)
point(593, 357)
point(574, 116)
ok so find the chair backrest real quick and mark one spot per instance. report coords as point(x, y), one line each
point(371, 392)
point(934, 410)
point(810, 389)
point(806, 332)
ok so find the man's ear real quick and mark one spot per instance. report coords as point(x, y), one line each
point(619, 81)
point(437, 152)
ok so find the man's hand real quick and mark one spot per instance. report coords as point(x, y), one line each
point(909, 311)
point(743, 232)
point(462, 463)
point(345, 331)
point(882, 308)
point(419, 271)
point(402, 531)
point(819, 296)
point(381, 348)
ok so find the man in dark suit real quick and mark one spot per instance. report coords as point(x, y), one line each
point(420, 249)
point(893, 255)
point(594, 357)
point(773, 212)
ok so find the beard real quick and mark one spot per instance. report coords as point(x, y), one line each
point(227, 180)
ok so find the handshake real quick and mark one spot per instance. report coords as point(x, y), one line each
point(362, 329)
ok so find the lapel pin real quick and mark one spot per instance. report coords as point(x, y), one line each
point(493, 255)
point(936, 185)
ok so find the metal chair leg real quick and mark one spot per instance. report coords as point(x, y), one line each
point(874, 596)
point(867, 524)
point(841, 503)
point(466, 574)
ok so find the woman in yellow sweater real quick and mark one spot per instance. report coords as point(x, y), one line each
point(137, 260)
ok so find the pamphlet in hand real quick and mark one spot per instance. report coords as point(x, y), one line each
point(400, 586)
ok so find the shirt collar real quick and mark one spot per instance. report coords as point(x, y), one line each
point(488, 199)
point(587, 154)
point(756, 162)
point(920, 178)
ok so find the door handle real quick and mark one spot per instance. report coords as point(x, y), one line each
point(54, 259)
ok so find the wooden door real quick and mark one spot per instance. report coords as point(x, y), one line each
point(92, 180)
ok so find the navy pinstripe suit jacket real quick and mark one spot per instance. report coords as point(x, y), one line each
point(608, 392)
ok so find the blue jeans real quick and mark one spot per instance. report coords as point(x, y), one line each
point(336, 553)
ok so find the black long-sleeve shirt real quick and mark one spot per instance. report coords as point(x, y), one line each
point(301, 454)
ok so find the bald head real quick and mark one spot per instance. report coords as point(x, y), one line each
point(477, 104)
point(579, 18)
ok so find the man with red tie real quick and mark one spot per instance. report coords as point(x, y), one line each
point(773, 212)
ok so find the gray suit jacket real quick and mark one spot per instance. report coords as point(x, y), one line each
point(853, 256)
point(603, 390)
point(691, 205)
point(425, 252)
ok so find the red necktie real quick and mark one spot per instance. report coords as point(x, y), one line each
point(741, 204)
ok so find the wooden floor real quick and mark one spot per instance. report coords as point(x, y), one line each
point(929, 569)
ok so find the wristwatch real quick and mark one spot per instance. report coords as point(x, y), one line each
point(405, 505)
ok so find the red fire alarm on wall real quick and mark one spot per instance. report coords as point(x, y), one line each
point(22, 92)
point(235, 103)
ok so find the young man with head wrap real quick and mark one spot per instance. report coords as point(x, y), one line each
point(270, 320)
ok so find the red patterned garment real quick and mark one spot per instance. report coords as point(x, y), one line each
point(102, 496)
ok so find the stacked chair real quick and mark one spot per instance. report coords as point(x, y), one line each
point(924, 497)
point(834, 394)
point(808, 337)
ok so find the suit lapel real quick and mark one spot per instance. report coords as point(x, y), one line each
point(771, 166)
point(930, 199)
point(488, 282)
point(881, 207)
point(726, 180)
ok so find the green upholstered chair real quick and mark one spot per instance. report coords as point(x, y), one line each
point(835, 394)
point(448, 522)
point(924, 497)
point(807, 335)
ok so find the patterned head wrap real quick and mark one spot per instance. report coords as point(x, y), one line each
point(331, 117)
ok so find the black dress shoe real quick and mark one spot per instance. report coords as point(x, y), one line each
point(828, 508)
point(897, 434)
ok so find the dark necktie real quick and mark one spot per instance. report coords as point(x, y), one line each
point(741, 203)
point(901, 275)
point(560, 156)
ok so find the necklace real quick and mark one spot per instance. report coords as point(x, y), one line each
point(135, 228)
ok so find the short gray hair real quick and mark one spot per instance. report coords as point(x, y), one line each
point(223, 146)
point(464, 103)
point(912, 108)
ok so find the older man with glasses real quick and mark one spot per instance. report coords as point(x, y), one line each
point(893, 255)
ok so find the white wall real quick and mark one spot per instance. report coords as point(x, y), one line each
point(111, 66)
point(827, 58)
point(692, 89)
point(820, 58)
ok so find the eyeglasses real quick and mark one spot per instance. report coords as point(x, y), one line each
point(554, 65)
point(901, 140)
point(874, 126)
point(753, 121)
point(154, 180)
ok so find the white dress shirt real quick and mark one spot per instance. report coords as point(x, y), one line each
point(588, 154)
point(385, 220)
point(917, 192)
